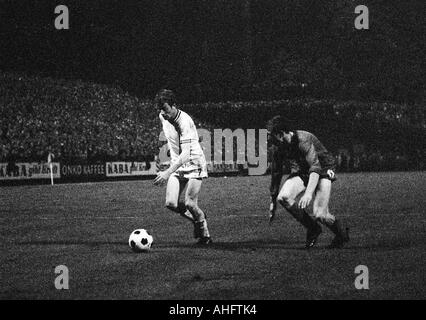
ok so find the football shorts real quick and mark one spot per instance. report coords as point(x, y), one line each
point(328, 173)
point(192, 171)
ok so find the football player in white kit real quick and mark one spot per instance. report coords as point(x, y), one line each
point(188, 165)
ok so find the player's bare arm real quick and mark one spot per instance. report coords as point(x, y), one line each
point(276, 176)
point(306, 199)
point(163, 176)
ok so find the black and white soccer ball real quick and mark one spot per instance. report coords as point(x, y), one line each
point(140, 240)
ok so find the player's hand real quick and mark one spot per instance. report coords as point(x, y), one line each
point(305, 201)
point(272, 210)
point(161, 178)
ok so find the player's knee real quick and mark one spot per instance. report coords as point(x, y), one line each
point(171, 205)
point(327, 220)
point(319, 213)
point(191, 205)
point(323, 216)
point(285, 200)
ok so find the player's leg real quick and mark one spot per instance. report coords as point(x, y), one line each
point(290, 190)
point(174, 198)
point(191, 202)
point(322, 213)
point(287, 198)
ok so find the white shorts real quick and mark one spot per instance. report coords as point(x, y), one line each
point(192, 171)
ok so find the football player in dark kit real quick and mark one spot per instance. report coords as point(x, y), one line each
point(311, 173)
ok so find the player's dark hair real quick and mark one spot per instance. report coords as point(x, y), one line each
point(165, 96)
point(277, 124)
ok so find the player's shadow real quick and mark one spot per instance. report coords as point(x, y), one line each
point(239, 246)
point(92, 243)
point(395, 244)
point(255, 245)
point(236, 246)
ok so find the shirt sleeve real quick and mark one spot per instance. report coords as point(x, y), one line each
point(311, 156)
point(187, 128)
point(276, 172)
point(183, 158)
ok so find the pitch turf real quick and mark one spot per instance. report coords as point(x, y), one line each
point(86, 228)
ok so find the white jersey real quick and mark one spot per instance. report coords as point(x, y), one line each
point(179, 131)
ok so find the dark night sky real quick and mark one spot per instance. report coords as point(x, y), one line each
point(220, 48)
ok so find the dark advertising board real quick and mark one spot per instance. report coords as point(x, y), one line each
point(84, 172)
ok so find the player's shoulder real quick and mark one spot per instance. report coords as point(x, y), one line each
point(303, 136)
point(183, 115)
point(304, 139)
point(184, 118)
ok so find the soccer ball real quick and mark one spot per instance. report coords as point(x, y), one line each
point(140, 240)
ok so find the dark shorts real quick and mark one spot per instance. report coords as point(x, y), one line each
point(326, 174)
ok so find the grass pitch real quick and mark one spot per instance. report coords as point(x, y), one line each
point(86, 227)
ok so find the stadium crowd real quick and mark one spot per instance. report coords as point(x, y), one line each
point(76, 121)
point(86, 122)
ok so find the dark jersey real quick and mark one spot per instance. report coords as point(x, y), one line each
point(304, 155)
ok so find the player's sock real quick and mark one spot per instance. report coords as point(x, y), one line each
point(313, 229)
point(185, 213)
point(337, 228)
point(308, 222)
point(296, 212)
point(188, 215)
point(204, 230)
point(304, 218)
point(201, 229)
point(341, 236)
